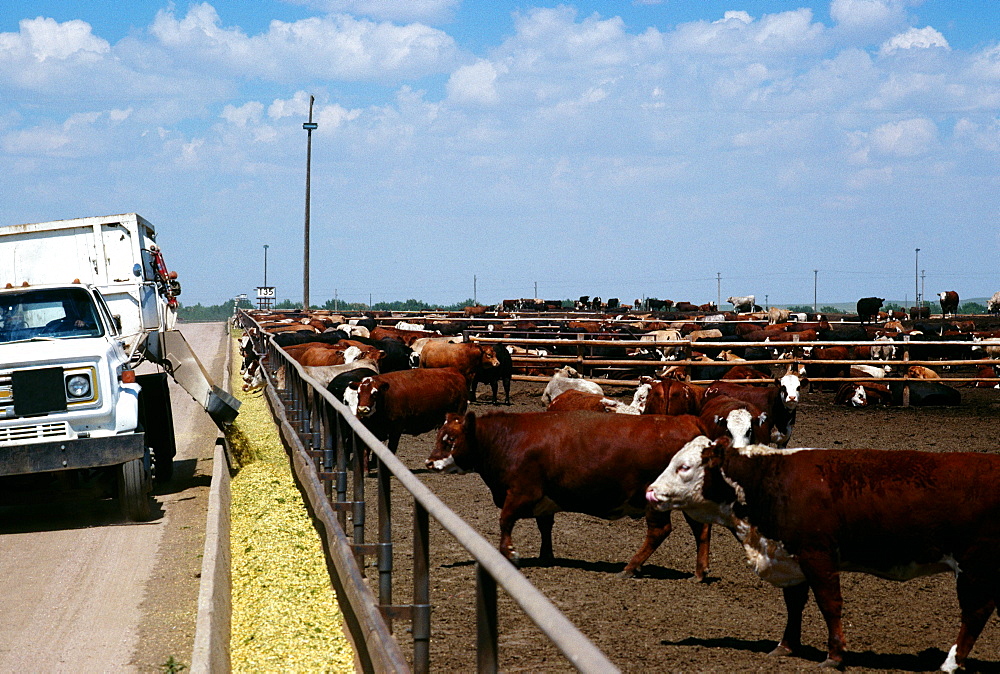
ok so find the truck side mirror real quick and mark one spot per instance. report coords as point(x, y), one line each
point(118, 322)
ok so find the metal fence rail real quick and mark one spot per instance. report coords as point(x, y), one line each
point(320, 433)
point(587, 363)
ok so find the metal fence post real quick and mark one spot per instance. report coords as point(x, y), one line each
point(486, 621)
point(421, 624)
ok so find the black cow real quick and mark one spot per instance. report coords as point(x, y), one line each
point(868, 308)
point(925, 392)
point(494, 375)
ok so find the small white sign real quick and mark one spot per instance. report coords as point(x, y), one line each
point(264, 292)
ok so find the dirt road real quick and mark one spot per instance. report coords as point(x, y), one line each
point(86, 591)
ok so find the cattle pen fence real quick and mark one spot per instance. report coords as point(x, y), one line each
point(603, 368)
point(325, 443)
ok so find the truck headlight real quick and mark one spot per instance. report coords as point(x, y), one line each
point(78, 387)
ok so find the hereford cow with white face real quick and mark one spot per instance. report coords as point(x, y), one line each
point(805, 515)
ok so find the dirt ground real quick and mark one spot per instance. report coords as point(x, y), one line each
point(665, 621)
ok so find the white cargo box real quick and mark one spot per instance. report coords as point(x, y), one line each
point(113, 252)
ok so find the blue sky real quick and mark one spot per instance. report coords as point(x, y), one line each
point(620, 149)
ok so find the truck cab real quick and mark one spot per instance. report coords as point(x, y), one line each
point(85, 301)
point(68, 397)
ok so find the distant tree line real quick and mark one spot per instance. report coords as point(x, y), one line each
point(212, 313)
point(220, 312)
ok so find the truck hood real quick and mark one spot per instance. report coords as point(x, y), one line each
point(53, 351)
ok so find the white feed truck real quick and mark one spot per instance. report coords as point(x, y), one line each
point(83, 302)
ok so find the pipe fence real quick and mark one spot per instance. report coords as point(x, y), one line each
point(325, 442)
point(588, 364)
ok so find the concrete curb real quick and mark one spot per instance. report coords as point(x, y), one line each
point(214, 622)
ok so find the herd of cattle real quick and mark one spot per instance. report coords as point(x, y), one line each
point(741, 304)
point(719, 453)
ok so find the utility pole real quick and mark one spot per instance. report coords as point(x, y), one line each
point(916, 279)
point(718, 289)
point(922, 287)
point(815, 283)
point(766, 306)
point(536, 290)
point(265, 264)
point(309, 127)
point(475, 301)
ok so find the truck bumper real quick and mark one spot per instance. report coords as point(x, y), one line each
point(43, 457)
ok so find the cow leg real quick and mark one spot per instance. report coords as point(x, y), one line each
point(515, 507)
point(977, 603)
point(545, 524)
point(658, 527)
point(822, 575)
point(703, 536)
point(495, 385)
point(795, 597)
point(506, 390)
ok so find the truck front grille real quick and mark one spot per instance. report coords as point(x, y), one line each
point(28, 432)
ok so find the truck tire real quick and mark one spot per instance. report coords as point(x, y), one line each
point(157, 419)
point(133, 491)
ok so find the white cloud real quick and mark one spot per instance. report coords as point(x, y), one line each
point(984, 137)
point(336, 47)
point(867, 13)
point(80, 134)
point(45, 54)
point(739, 15)
point(555, 34)
point(243, 115)
point(390, 10)
point(986, 65)
point(906, 138)
point(189, 151)
point(42, 39)
point(738, 33)
point(474, 83)
point(915, 38)
point(329, 116)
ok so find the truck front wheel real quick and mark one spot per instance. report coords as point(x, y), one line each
point(157, 419)
point(133, 490)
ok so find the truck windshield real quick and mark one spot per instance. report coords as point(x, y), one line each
point(49, 313)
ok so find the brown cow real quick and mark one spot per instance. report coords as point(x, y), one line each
point(949, 303)
point(744, 422)
point(313, 354)
point(408, 401)
point(780, 402)
point(745, 372)
point(539, 463)
point(468, 358)
point(809, 514)
point(855, 394)
point(673, 397)
point(405, 336)
point(572, 399)
point(827, 370)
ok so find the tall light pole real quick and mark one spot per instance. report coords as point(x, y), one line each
point(309, 127)
point(916, 279)
point(815, 283)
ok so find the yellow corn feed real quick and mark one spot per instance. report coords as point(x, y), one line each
point(285, 613)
